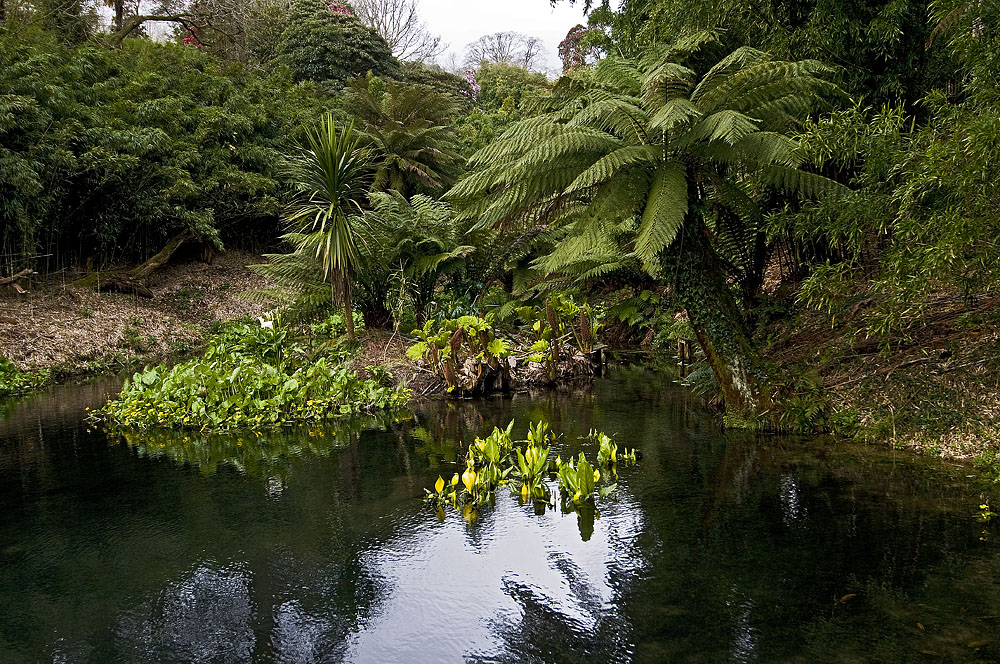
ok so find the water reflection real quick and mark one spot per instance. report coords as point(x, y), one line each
point(204, 617)
point(509, 571)
point(297, 548)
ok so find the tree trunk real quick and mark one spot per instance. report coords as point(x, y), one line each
point(375, 313)
point(348, 308)
point(342, 283)
point(719, 325)
point(119, 14)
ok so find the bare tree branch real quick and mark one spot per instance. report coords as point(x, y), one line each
point(510, 48)
point(190, 21)
point(398, 22)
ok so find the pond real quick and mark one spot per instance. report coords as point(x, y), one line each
point(315, 545)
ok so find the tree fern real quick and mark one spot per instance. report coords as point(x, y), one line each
point(614, 139)
point(407, 129)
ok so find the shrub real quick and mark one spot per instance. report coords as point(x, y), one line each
point(106, 154)
point(330, 47)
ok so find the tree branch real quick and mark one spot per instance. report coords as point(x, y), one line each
point(132, 23)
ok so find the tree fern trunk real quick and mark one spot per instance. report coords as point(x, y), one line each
point(719, 326)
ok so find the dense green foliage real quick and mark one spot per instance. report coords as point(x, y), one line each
point(105, 154)
point(922, 217)
point(329, 47)
point(406, 249)
point(503, 89)
point(879, 46)
point(250, 376)
point(447, 345)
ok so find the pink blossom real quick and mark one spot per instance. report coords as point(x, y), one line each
point(470, 78)
point(191, 39)
point(338, 8)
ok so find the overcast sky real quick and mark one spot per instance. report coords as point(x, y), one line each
point(462, 21)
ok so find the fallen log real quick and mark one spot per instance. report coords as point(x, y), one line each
point(123, 285)
point(14, 278)
point(131, 281)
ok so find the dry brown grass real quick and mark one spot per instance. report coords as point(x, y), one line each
point(386, 348)
point(70, 329)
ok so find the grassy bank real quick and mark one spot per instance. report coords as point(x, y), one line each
point(934, 389)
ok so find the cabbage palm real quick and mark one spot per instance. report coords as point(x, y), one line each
point(638, 154)
point(331, 172)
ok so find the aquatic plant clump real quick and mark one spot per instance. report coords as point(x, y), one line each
point(466, 353)
point(249, 377)
point(495, 461)
point(14, 382)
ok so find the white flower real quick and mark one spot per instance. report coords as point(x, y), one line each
point(266, 324)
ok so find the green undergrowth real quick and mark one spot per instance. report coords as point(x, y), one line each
point(14, 382)
point(251, 376)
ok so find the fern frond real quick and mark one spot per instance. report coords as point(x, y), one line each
point(516, 140)
point(803, 183)
point(665, 211)
point(764, 148)
point(733, 87)
point(665, 81)
point(618, 75)
point(681, 50)
point(615, 116)
point(726, 126)
point(735, 61)
point(612, 164)
point(675, 112)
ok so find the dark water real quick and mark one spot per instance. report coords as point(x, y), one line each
point(314, 546)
